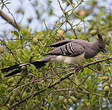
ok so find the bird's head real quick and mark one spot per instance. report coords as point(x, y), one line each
point(101, 43)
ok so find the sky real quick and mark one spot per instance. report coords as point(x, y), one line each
point(26, 5)
point(35, 25)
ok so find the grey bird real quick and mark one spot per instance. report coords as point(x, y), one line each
point(66, 51)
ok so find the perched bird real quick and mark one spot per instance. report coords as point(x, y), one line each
point(66, 51)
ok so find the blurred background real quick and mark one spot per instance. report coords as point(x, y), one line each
point(37, 13)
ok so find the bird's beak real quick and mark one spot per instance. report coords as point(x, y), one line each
point(104, 50)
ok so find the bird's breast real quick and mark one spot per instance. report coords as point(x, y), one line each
point(70, 60)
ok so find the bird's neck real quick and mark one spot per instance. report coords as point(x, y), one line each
point(95, 46)
point(92, 50)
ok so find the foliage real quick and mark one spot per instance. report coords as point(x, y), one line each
point(56, 86)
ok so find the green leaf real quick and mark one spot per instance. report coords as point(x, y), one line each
point(2, 6)
point(15, 33)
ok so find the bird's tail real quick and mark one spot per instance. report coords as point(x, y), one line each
point(17, 68)
point(12, 70)
point(39, 64)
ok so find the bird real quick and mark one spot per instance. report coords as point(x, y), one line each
point(65, 51)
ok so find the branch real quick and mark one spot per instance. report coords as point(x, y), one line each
point(98, 61)
point(43, 90)
point(10, 21)
point(66, 17)
point(58, 81)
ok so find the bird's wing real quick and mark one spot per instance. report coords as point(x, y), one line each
point(70, 49)
point(60, 43)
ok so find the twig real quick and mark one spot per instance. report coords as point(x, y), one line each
point(65, 14)
point(57, 82)
point(98, 61)
point(43, 90)
point(76, 6)
point(10, 21)
point(9, 50)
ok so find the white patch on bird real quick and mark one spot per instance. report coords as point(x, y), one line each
point(69, 60)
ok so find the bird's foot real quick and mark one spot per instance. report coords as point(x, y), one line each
point(79, 68)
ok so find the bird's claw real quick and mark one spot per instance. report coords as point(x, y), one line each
point(79, 68)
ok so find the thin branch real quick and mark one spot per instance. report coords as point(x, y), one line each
point(66, 17)
point(76, 6)
point(9, 50)
point(43, 90)
point(98, 61)
point(10, 21)
point(57, 82)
